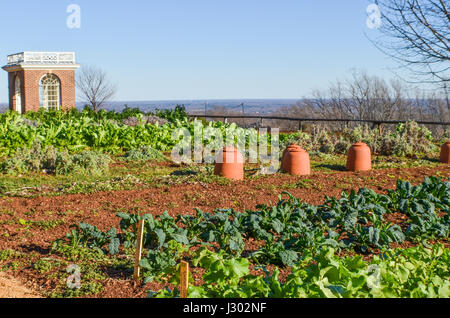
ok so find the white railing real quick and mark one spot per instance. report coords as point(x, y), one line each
point(42, 58)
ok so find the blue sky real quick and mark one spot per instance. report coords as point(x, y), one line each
point(202, 49)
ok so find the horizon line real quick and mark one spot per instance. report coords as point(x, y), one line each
point(191, 100)
point(201, 99)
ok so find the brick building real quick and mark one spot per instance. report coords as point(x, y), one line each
point(41, 80)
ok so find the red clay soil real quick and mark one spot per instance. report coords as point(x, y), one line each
point(99, 209)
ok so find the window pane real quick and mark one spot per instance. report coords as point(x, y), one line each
point(50, 92)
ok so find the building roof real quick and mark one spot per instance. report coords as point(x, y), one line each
point(41, 60)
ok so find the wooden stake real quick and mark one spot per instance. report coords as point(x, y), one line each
point(184, 279)
point(140, 241)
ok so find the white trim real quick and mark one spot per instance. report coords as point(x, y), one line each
point(42, 58)
point(24, 67)
point(41, 61)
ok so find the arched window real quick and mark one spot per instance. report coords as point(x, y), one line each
point(50, 92)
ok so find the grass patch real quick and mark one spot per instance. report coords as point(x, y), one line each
point(45, 265)
point(47, 225)
point(95, 267)
point(13, 260)
point(329, 163)
point(145, 154)
point(141, 174)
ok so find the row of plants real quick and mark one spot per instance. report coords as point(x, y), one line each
point(80, 132)
point(177, 113)
point(119, 132)
point(285, 233)
point(410, 139)
point(76, 131)
point(52, 161)
point(417, 272)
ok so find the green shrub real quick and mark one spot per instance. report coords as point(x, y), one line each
point(6, 255)
point(144, 120)
point(51, 161)
point(416, 272)
point(45, 265)
point(365, 134)
point(32, 159)
point(410, 139)
point(172, 115)
point(90, 162)
point(444, 137)
point(319, 140)
point(145, 154)
point(342, 146)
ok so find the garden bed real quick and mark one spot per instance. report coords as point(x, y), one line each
point(29, 226)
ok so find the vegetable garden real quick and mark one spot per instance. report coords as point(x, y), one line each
point(294, 234)
point(74, 186)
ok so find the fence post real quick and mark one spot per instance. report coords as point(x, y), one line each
point(139, 243)
point(184, 279)
point(380, 128)
point(300, 126)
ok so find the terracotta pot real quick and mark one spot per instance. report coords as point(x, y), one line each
point(230, 164)
point(445, 152)
point(359, 157)
point(296, 161)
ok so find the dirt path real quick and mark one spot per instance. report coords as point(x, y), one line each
point(12, 288)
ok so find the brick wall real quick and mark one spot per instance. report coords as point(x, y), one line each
point(30, 80)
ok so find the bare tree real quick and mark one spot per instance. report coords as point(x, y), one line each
point(94, 86)
point(417, 33)
point(360, 96)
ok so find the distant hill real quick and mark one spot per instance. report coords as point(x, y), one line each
point(251, 106)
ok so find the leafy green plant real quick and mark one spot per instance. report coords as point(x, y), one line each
point(412, 273)
point(49, 160)
point(288, 231)
point(421, 203)
point(159, 263)
point(145, 154)
point(410, 139)
point(86, 235)
point(45, 265)
point(86, 162)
